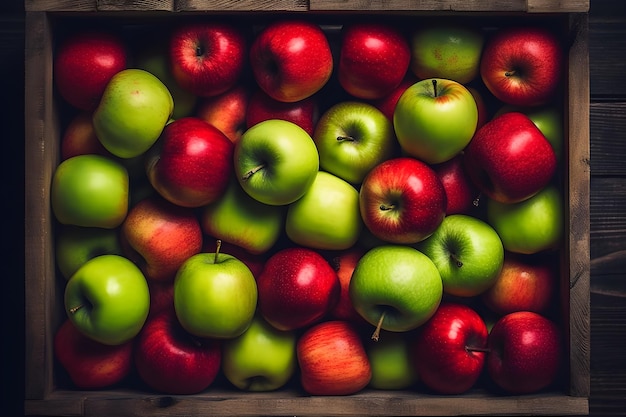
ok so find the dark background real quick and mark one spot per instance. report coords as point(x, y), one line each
point(607, 45)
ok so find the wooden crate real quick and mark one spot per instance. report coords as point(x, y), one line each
point(46, 395)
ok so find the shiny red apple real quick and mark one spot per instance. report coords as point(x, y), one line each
point(262, 107)
point(226, 111)
point(461, 193)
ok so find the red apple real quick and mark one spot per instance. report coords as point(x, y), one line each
point(525, 283)
point(171, 361)
point(207, 58)
point(79, 138)
point(509, 159)
point(90, 364)
point(83, 65)
point(291, 59)
point(191, 163)
point(161, 296)
point(159, 236)
point(461, 193)
point(387, 103)
point(226, 111)
point(297, 288)
point(373, 59)
point(449, 349)
point(402, 200)
point(344, 263)
point(522, 65)
point(525, 350)
point(481, 105)
point(332, 359)
point(263, 107)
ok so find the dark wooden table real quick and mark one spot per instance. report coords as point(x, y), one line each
point(607, 205)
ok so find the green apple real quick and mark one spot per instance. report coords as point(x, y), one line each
point(549, 120)
point(108, 299)
point(327, 216)
point(352, 137)
point(76, 245)
point(435, 119)
point(391, 362)
point(133, 110)
point(446, 51)
point(154, 58)
point(241, 220)
point(215, 295)
point(90, 191)
point(276, 161)
point(467, 252)
point(395, 288)
point(263, 358)
point(531, 226)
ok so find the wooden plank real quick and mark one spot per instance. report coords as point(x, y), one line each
point(41, 148)
point(562, 6)
point(60, 5)
point(608, 133)
point(136, 5)
point(608, 216)
point(97, 5)
point(531, 6)
point(242, 5)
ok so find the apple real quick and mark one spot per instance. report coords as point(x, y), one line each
point(90, 191)
point(548, 119)
point(191, 163)
point(276, 162)
point(153, 56)
point(525, 351)
point(483, 110)
point(522, 65)
point(291, 59)
point(89, 364)
point(255, 262)
point(344, 263)
point(450, 349)
point(327, 216)
point(526, 283)
point(76, 245)
point(402, 200)
point(352, 137)
point(161, 296)
point(215, 295)
point(509, 159)
point(79, 138)
point(263, 358)
point(435, 119)
point(84, 63)
point(243, 221)
point(226, 111)
point(446, 50)
point(108, 299)
point(159, 236)
point(207, 58)
point(395, 288)
point(387, 103)
point(531, 226)
point(392, 364)
point(332, 359)
point(262, 107)
point(461, 192)
point(467, 252)
point(134, 108)
point(297, 288)
point(171, 361)
point(373, 59)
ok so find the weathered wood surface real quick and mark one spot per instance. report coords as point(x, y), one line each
point(607, 198)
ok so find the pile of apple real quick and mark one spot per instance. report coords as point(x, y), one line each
point(370, 207)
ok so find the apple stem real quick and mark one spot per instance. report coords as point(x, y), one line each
point(253, 171)
point(435, 87)
point(456, 260)
point(509, 73)
point(477, 349)
point(376, 334)
point(75, 309)
point(345, 138)
point(386, 207)
point(218, 246)
point(476, 201)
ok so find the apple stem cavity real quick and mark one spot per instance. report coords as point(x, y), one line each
point(253, 171)
point(73, 310)
point(510, 73)
point(218, 246)
point(345, 139)
point(456, 260)
point(385, 207)
point(435, 87)
point(477, 349)
point(379, 325)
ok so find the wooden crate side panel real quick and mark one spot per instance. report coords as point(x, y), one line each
point(531, 6)
point(242, 5)
point(578, 217)
point(40, 160)
point(97, 5)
